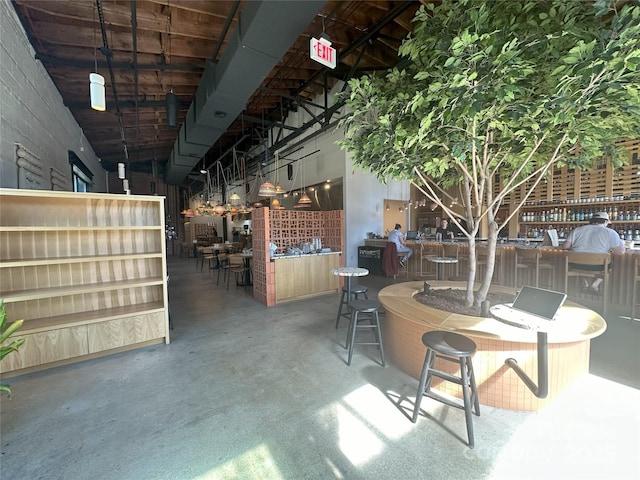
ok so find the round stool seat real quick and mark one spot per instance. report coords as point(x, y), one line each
point(449, 343)
point(355, 289)
point(364, 306)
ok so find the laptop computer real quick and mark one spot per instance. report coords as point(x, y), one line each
point(531, 309)
point(412, 234)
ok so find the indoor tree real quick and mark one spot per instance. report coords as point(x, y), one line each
point(499, 90)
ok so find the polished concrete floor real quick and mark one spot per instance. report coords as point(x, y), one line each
point(249, 392)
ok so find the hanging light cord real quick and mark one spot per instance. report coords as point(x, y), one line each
point(108, 54)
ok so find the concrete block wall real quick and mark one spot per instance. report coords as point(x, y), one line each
point(32, 112)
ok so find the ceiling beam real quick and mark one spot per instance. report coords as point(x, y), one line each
point(88, 64)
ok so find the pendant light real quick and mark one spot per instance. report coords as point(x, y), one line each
point(266, 188)
point(304, 201)
point(171, 103)
point(171, 109)
point(304, 198)
point(96, 81)
point(279, 189)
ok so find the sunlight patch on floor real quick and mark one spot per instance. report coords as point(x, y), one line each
point(256, 464)
point(366, 423)
point(567, 437)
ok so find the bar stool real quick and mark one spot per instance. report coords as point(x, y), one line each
point(530, 260)
point(426, 251)
point(391, 261)
point(451, 250)
point(455, 348)
point(402, 270)
point(369, 308)
point(356, 290)
point(586, 266)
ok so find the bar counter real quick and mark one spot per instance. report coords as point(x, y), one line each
point(300, 276)
point(406, 320)
point(621, 280)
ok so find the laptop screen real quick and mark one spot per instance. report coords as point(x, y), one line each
point(544, 303)
point(412, 234)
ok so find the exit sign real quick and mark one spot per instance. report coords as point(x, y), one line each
point(321, 51)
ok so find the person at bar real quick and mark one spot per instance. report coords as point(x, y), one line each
point(594, 238)
point(445, 230)
point(396, 236)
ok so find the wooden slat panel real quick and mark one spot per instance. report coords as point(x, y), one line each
point(46, 347)
point(125, 331)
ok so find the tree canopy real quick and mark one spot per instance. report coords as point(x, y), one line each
point(499, 87)
point(518, 79)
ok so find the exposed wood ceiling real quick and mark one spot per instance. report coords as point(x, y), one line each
point(172, 42)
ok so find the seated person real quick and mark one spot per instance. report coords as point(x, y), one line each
point(397, 237)
point(445, 230)
point(594, 238)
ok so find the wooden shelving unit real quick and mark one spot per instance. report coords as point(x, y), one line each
point(565, 216)
point(87, 273)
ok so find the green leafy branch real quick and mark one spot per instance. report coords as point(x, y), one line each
point(6, 331)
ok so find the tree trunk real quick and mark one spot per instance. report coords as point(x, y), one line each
point(471, 275)
point(481, 296)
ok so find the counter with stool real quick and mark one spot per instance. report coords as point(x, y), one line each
point(407, 320)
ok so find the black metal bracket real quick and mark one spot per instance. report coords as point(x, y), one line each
point(542, 389)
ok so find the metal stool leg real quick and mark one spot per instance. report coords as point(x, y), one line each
point(466, 399)
point(352, 331)
point(422, 385)
point(342, 302)
point(379, 335)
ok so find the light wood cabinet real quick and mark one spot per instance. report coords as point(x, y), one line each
point(305, 275)
point(87, 273)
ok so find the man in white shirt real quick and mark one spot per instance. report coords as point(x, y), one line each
point(397, 237)
point(595, 238)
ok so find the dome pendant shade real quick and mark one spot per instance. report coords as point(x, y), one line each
point(171, 107)
point(267, 190)
point(234, 198)
point(304, 199)
point(98, 99)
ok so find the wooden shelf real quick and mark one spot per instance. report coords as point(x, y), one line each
point(82, 318)
point(86, 272)
point(608, 203)
point(23, 295)
point(81, 259)
point(581, 222)
point(65, 228)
